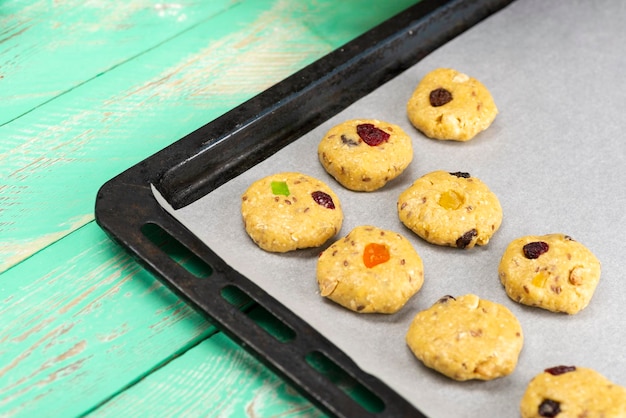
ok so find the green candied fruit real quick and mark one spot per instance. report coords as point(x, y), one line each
point(280, 187)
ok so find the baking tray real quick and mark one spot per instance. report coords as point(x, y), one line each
point(253, 135)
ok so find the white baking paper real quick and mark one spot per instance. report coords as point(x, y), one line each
point(555, 156)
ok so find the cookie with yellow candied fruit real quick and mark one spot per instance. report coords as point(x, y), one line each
point(370, 270)
point(467, 338)
point(289, 211)
point(552, 271)
point(572, 392)
point(364, 154)
point(450, 105)
point(450, 209)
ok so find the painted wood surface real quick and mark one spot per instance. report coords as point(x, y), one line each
point(86, 90)
point(92, 132)
point(110, 120)
point(195, 385)
point(81, 320)
point(86, 38)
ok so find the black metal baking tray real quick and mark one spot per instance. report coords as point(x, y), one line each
point(220, 150)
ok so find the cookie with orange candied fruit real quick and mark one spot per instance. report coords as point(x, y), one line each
point(370, 270)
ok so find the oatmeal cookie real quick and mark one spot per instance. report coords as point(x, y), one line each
point(365, 154)
point(450, 105)
point(552, 272)
point(370, 270)
point(572, 392)
point(289, 211)
point(467, 338)
point(450, 209)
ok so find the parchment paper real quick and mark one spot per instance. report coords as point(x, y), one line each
point(555, 157)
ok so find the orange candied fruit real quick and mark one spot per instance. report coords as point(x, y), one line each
point(375, 254)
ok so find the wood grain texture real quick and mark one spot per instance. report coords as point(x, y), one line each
point(193, 384)
point(49, 48)
point(90, 133)
point(81, 320)
point(88, 89)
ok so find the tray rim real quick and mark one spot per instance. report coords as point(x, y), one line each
point(220, 150)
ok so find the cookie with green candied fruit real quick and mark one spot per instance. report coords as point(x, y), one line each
point(552, 272)
point(289, 211)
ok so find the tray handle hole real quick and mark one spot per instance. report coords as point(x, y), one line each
point(348, 384)
point(176, 250)
point(258, 314)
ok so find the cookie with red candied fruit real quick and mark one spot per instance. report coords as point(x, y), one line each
point(571, 391)
point(450, 209)
point(370, 270)
point(466, 338)
point(365, 154)
point(289, 211)
point(552, 271)
point(450, 105)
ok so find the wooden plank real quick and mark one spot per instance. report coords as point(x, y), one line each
point(94, 131)
point(194, 385)
point(80, 321)
point(77, 330)
point(49, 48)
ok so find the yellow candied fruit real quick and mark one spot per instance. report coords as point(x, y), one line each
point(540, 279)
point(451, 200)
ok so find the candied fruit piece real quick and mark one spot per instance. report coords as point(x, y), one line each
point(465, 239)
point(549, 408)
point(461, 174)
point(557, 370)
point(280, 188)
point(375, 254)
point(446, 298)
point(371, 135)
point(440, 97)
point(451, 200)
point(535, 249)
point(540, 279)
point(348, 141)
point(323, 199)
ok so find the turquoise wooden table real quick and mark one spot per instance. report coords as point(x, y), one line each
point(88, 89)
